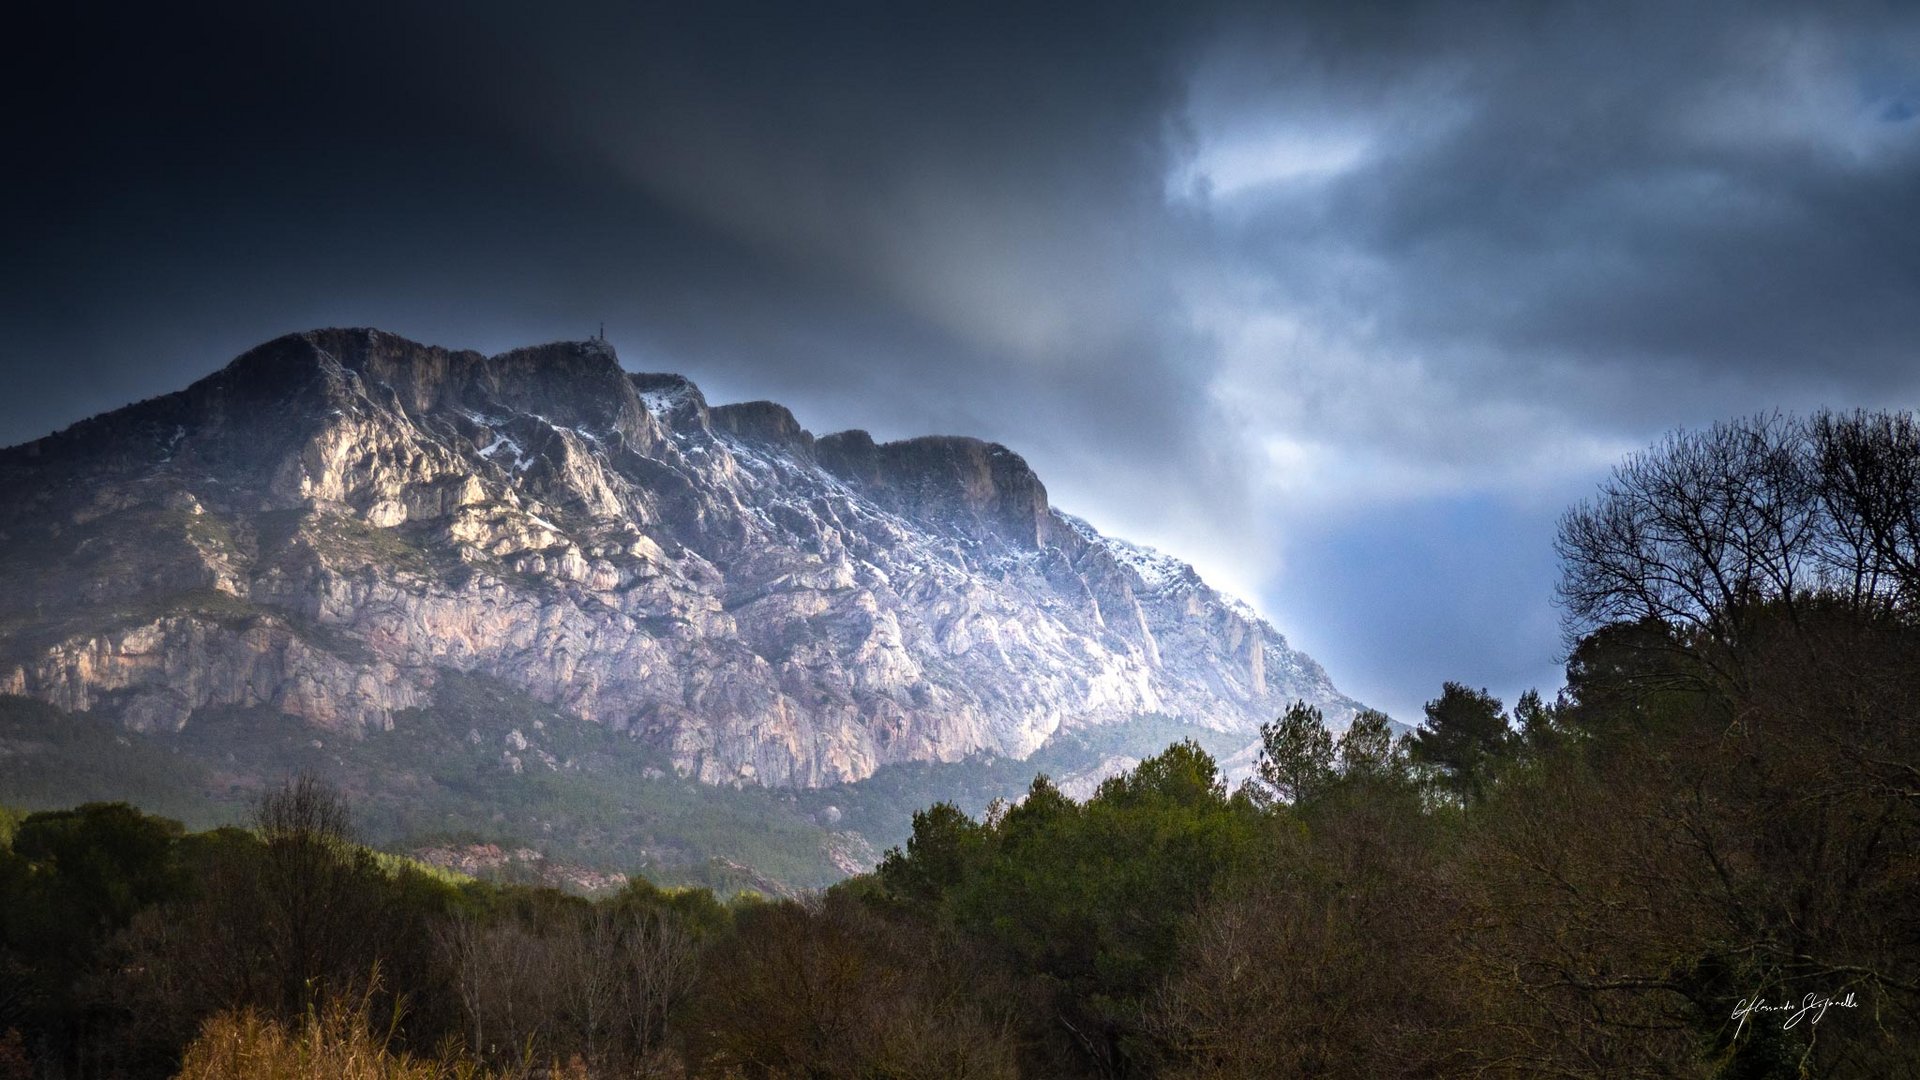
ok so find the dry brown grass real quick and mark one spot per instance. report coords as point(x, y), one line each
point(338, 1043)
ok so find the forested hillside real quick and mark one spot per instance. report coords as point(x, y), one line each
point(1700, 859)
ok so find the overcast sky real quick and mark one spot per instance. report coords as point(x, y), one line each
point(1344, 307)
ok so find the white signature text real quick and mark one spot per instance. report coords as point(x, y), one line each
point(1811, 1008)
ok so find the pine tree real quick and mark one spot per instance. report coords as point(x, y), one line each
point(1464, 734)
point(1296, 753)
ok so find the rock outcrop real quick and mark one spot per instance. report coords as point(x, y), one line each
point(336, 518)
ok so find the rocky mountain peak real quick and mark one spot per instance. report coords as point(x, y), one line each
point(673, 399)
point(335, 521)
point(572, 383)
point(765, 422)
point(982, 488)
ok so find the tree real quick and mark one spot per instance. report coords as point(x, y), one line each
point(317, 905)
point(73, 880)
point(1539, 727)
point(1695, 530)
point(1745, 525)
point(661, 964)
point(1083, 900)
point(512, 980)
point(829, 988)
point(1367, 748)
point(1183, 774)
point(1296, 753)
point(99, 865)
point(1464, 734)
point(1868, 469)
point(1322, 953)
point(944, 845)
point(1744, 689)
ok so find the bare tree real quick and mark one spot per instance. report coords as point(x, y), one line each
point(460, 941)
point(511, 982)
point(316, 913)
point(663, 964)
point(1694, 530)
point(304, 808)
point(1869, 470)
point(1746, 528)
point(828, 988)
point(592, 982)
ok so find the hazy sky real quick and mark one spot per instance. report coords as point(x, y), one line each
point(1343, 306)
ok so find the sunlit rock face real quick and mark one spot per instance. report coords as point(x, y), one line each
point(337, 517)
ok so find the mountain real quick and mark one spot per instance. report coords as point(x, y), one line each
point(340, 525)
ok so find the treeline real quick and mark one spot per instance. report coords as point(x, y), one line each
point(125, 938)
point(1701, 859)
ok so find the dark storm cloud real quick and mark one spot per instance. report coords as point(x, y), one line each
point(1316, 281)
point(903, 220)
point(1467, 256)
point(1683, 194)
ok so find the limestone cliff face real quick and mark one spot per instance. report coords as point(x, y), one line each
point(336, 518)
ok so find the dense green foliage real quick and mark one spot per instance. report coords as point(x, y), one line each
point(1700, 860)
point(882, 806)
point(1464, 734)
